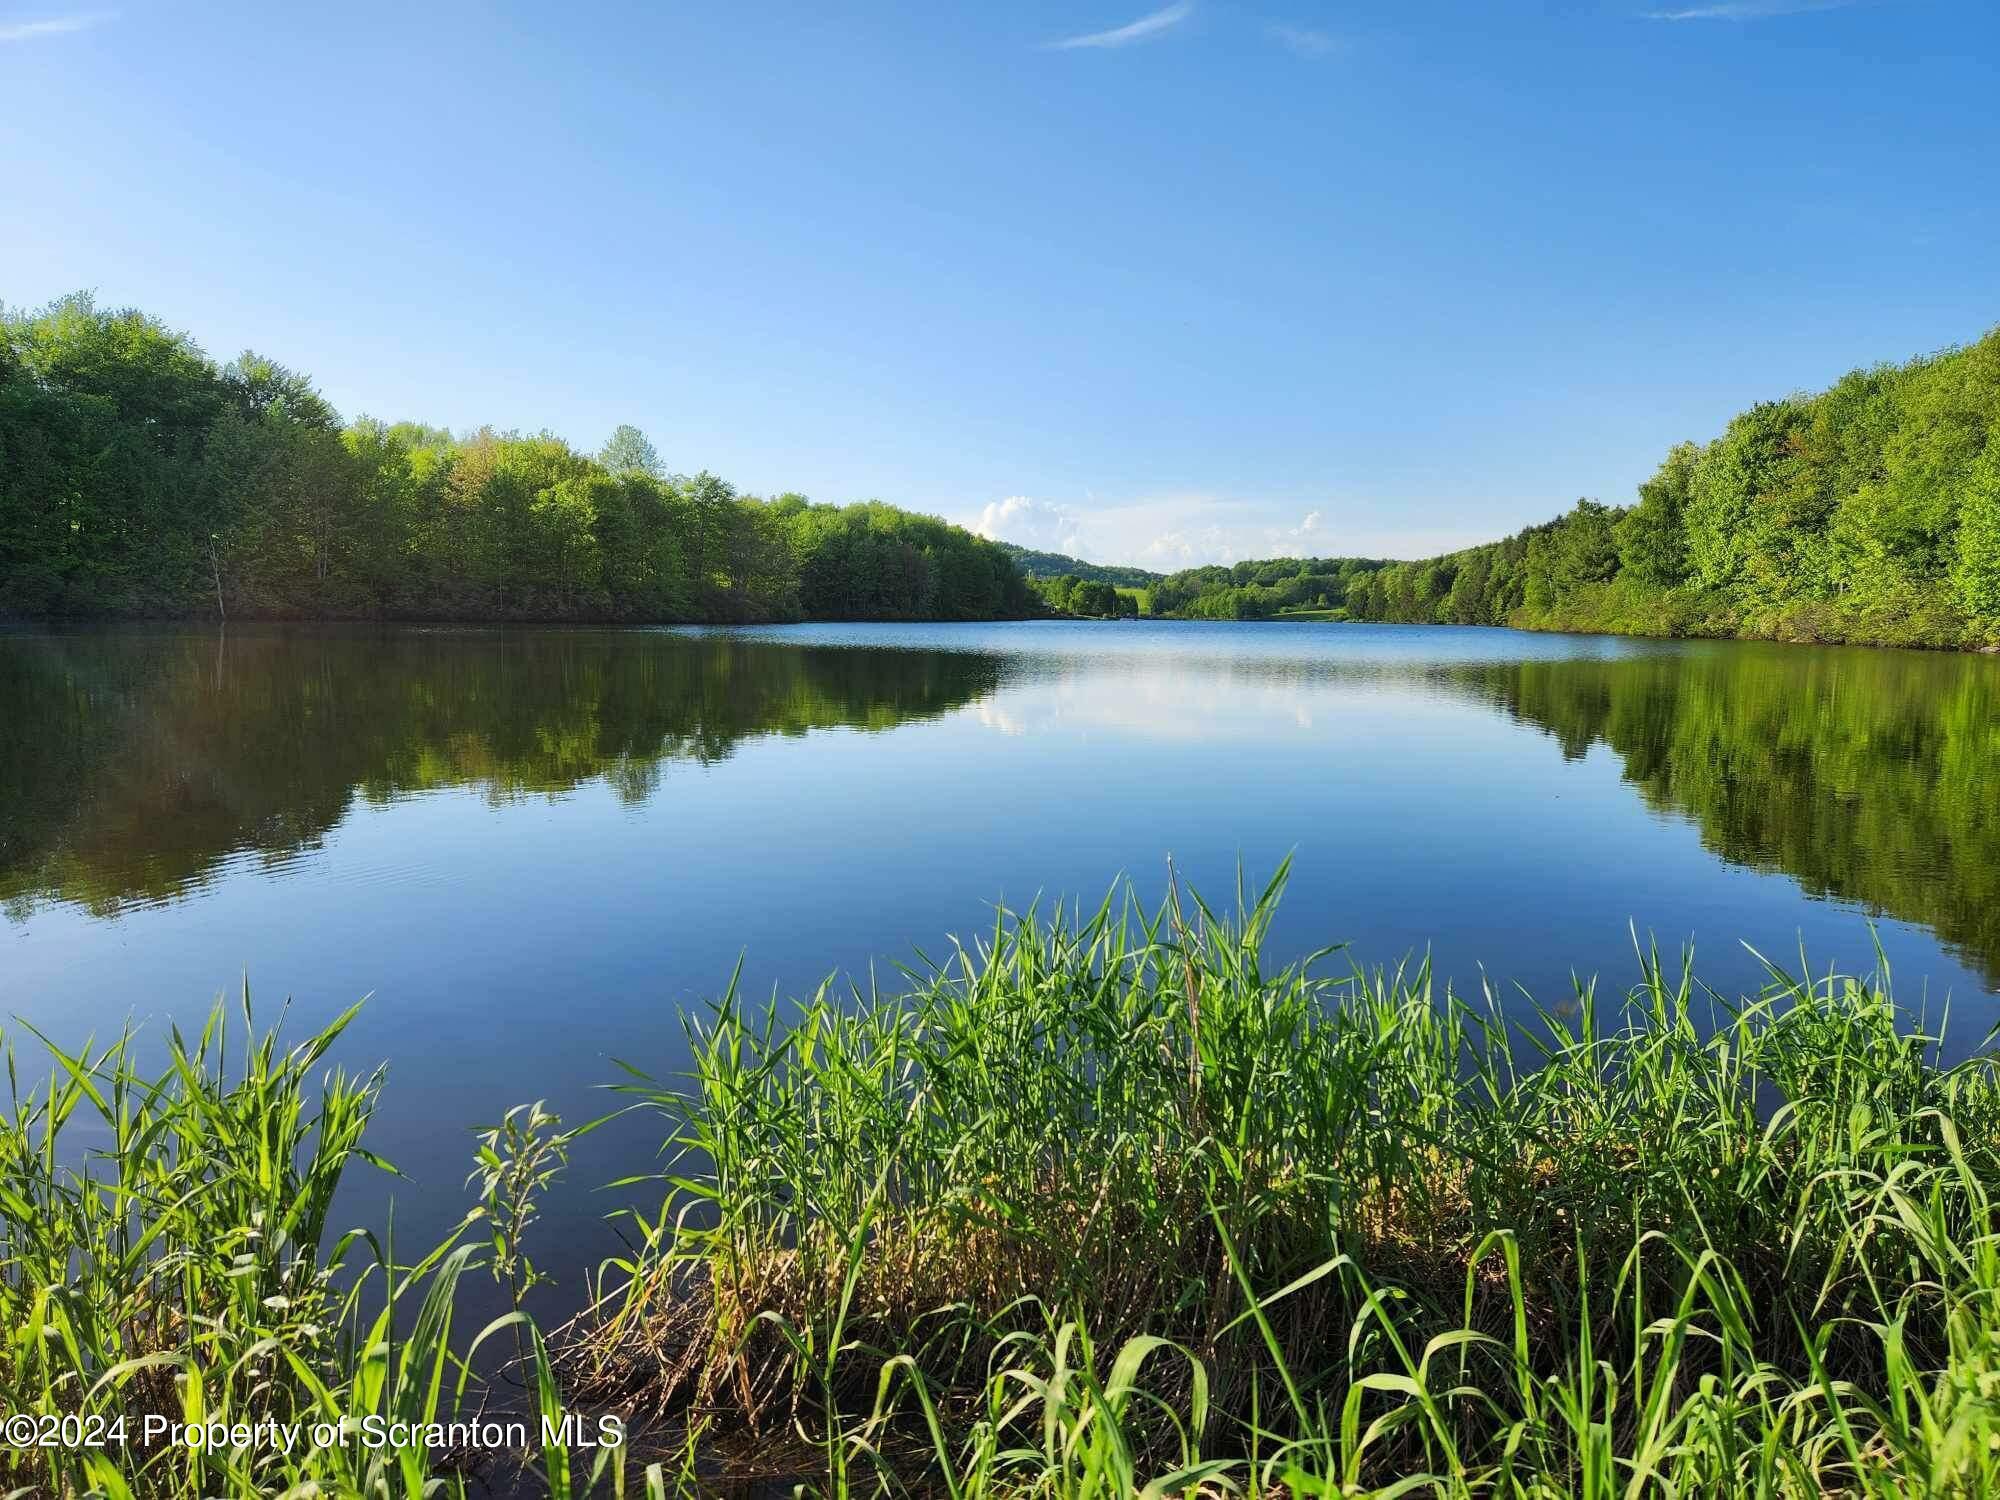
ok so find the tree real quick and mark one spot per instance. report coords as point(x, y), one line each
point(1977, 574)
point(1539, 572)
point(629, 451)
point(710, 502)
point(263, 387)
point(1466, 604)
point(1431, 587)
point(1652, 542)
point(1056, 591)
point(1586, 548)
point(1746, 462)
point(1092, 596)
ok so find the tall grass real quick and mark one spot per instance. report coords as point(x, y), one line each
point(165, 1251)
point(1103, 1203)
point(1101, 1206)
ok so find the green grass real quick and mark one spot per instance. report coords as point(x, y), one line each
point(1107, 1205)
point(165, 1252)
point(1103, 1206)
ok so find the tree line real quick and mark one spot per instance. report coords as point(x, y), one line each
point(1260, 590)
point(1869, 512)
point(139, 477)
point(1094, 598)
point(1036, 565)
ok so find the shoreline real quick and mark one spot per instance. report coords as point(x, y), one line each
point(472, 622)
point(1109, 1154)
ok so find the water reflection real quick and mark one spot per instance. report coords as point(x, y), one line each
point(134, 764)
point(1871, 776)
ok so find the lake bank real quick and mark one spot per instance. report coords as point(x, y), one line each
point(1779, 633)
point(1119, 1197)
point(1787, 634)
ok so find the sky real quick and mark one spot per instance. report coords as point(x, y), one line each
point(1151, 284)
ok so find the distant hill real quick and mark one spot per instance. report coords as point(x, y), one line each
point(1054, 565)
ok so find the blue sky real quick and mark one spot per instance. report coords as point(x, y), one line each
point(1162, 285)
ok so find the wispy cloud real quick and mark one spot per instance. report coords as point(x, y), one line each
point(1747, 10)
point(1145, 29)
point(27, 31)
point(1302, 41)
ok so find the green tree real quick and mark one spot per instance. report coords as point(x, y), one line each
point(1977, 574)
point(630, 451)
point(1466, 604)
point(1540, 572)
point(1585, 547)
point(1746, 462)
point(709, 503)
point(1093, 596)
point(1056, 591)
point(1652, 537)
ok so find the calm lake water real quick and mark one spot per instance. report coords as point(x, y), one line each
point(535, 848)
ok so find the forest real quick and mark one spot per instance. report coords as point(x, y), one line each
point(1261, 589)
point(1087, 598)
point(140, 478)
point(1034, 565)
point(1869, 512)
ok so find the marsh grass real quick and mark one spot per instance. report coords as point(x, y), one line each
point(165, 1250)
point(1101, 1206)
point(1102, 1203)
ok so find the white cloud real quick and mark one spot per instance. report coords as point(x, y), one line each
point(1302, 40)
point(1027, 522)
point(1747, 10)
point(1204, 693)
point(27, 31)
point(1145, 29)
point(1190, 529)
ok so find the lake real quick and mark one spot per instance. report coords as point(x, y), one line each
point(536, 848)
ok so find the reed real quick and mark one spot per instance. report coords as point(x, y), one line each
point(1104, 1203)
point(165, 1252)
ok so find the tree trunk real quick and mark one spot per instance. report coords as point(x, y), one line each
point(215, 566)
